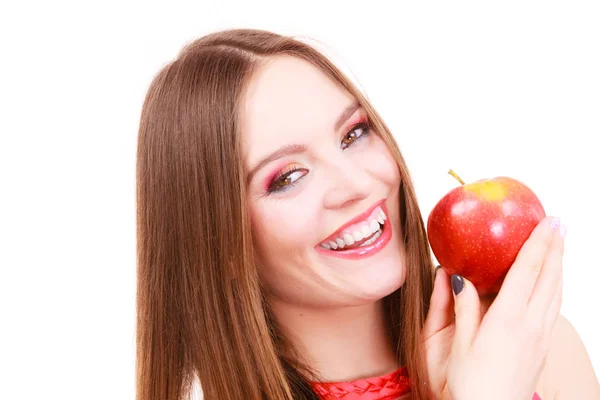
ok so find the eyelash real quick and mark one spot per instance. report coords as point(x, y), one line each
point(362, 124)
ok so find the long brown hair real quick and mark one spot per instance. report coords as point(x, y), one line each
point(201, 310)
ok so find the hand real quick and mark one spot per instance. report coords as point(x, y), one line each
point(498, 354)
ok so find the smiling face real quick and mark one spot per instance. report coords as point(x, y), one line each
point(319, 180)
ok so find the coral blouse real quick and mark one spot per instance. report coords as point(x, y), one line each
point(386, 387)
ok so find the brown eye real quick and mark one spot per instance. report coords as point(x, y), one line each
point(355, 134)
point(349, 138)
point(287, 179)
point(284, 182)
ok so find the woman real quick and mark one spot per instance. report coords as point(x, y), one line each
point(282, 253)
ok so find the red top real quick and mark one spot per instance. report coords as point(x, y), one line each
point(386, 387)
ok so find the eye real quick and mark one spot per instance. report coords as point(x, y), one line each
point(287, 179)
point(359, 131)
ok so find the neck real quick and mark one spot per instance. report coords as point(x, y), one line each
point(340, 344)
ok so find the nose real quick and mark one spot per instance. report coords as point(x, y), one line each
point(347, 184)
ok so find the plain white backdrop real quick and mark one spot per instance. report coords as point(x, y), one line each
point(504, 88)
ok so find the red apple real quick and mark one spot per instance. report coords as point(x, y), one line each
point(477, 229)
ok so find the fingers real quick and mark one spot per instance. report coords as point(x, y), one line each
point(440, 311)
point(523, 274)
point(544, 292)
point(554, 309)
point(467, 313)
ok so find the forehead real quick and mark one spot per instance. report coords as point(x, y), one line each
point(288, 101)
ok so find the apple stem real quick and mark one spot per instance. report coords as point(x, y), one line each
point(456, 176)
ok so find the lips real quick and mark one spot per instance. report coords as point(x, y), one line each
point(357, 233)
point(362, 236)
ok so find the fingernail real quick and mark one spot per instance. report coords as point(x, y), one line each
point(436, 270)
point(458, 283)
point(563, 231)
point(555, 223)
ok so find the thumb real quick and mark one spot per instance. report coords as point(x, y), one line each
point(440, 311)
point(467, 313)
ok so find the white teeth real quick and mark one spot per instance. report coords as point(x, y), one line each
point(365, 230)
point(372, 240)
point(349, 240)
point(374, 226)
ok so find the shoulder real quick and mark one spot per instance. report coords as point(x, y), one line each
point(568, 373)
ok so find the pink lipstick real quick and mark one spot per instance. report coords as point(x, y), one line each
point(361, 237)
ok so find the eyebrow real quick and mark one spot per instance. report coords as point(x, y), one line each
point(291, 149)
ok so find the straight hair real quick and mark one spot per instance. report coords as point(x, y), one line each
point(201, 309)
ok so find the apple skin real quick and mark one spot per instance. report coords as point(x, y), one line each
point(477, 229)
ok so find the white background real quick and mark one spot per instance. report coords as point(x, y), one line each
point(510, 88)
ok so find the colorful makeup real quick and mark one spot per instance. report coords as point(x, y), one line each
point(281, 180)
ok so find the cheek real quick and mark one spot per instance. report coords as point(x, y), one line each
point(280, 229)
point(283, 242)
point(384, 166)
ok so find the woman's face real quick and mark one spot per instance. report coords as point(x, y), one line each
point(318, 182)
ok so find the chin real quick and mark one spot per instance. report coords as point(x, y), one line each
point(382, 282)
point(371, 278)
point(370, 283)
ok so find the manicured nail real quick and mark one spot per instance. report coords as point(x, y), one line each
point(563, 231)
point(436, 270)
point(555, 223)
point(458, 283)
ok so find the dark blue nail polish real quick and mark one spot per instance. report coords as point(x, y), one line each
point(458, 283)
point(436, 270)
